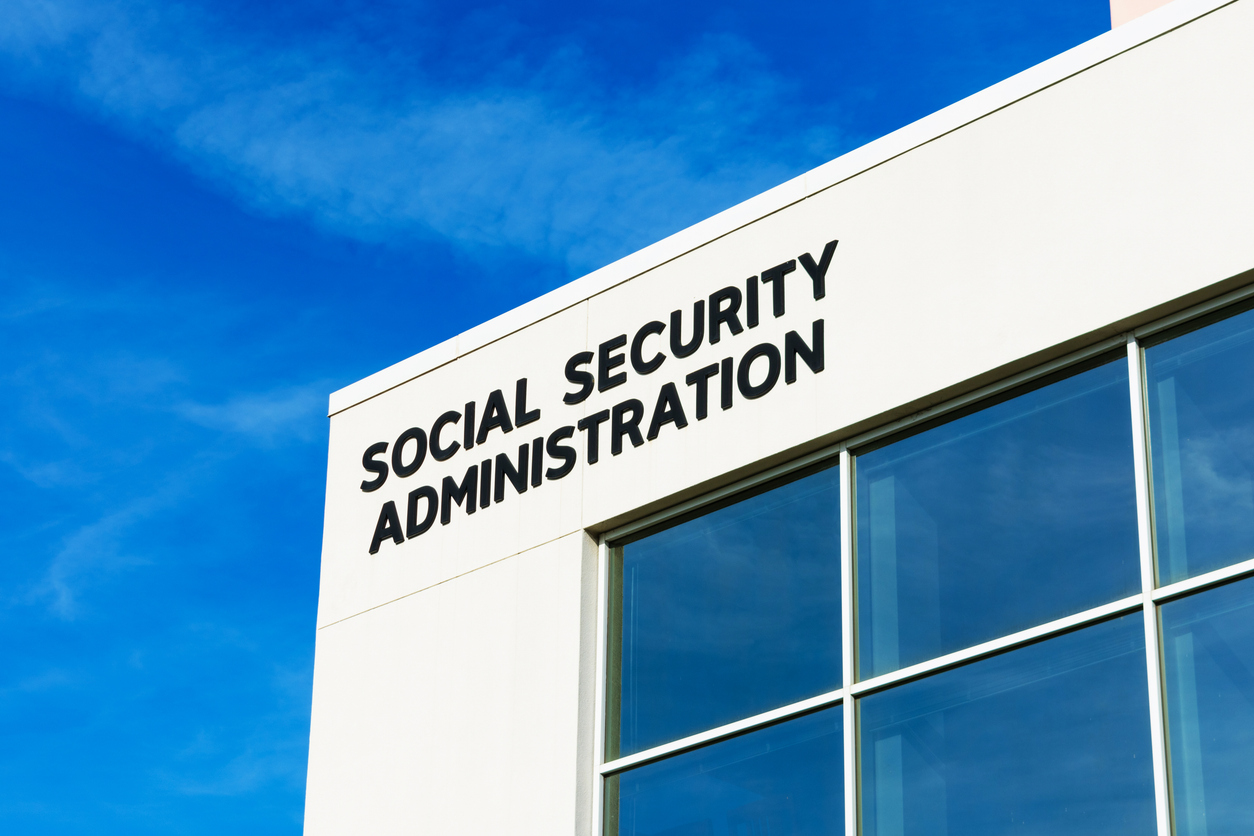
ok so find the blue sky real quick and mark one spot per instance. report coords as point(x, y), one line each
point(216, 213)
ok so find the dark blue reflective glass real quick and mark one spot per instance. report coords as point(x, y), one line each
point(784, 780)
point(727, 615)
point(1044, 740)
point(1208, 646)
point(1201, 411)
point(1011, 516)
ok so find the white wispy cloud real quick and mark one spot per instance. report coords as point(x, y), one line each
point(46, 680)
point(268, 759)
point(273, 751)
point(94, 551)
point(292, 413)
point(91, 552)
point(114, 441)
point(551, 165)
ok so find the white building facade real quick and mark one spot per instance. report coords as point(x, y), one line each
point(913, 496)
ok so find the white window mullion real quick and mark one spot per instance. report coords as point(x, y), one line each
point(847, 640)
point(1145, 536)
point(598, 741)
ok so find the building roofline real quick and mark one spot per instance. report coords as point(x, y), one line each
point(964, 112)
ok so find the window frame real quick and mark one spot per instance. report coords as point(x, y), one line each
point(1148, 600)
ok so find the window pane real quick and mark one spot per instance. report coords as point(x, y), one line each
point(1201, 409)
point(1008, 517)
point(1048, 739)
point(1208, 644)
point(784, 780)
point(727, 615)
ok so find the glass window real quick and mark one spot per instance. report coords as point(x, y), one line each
point(1201, 411)
point(783, 780)
point(1047, 739)
point(1014, 512)
point(726, 615)
point(1011, 516)
point(1208, 645)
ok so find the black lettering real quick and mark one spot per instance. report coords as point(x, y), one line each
point(621, 425)
point(368, 461)
point(452, 494)
point(521, 416)
point(583, 379)
point(537, 461)
point(389, 525)
point(678, 347)
point(720, 316)
point(818, 272)
point(398, 452)
point(439, 452)
point(557, 450)
point(413, 527)
point(591, 425)
point(495, 414)
point(517, 476)
point(771, 353)
point(667, 410)
point(701, 379)
point(726, 384)
point(607, 361)
point(638, 362)
point(485, 483)
point(811, 355)
point(776, 277)
point(751, 302)
point(468, 426)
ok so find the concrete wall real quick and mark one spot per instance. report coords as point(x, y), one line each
point(454, 671)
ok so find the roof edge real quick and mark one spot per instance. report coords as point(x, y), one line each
point(877, 152)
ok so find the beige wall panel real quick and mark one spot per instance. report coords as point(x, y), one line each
point(352, 579)
point(476, 683)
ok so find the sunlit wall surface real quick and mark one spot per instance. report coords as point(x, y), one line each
point(1033, 648)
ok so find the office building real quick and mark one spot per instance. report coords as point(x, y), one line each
point(912, 496)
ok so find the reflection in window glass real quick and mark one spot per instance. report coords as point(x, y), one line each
point(1201, 410)
point(1043, 740)
point(784, 780)
point(727, 615)
point(1009, 517)
point(1208, 645)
